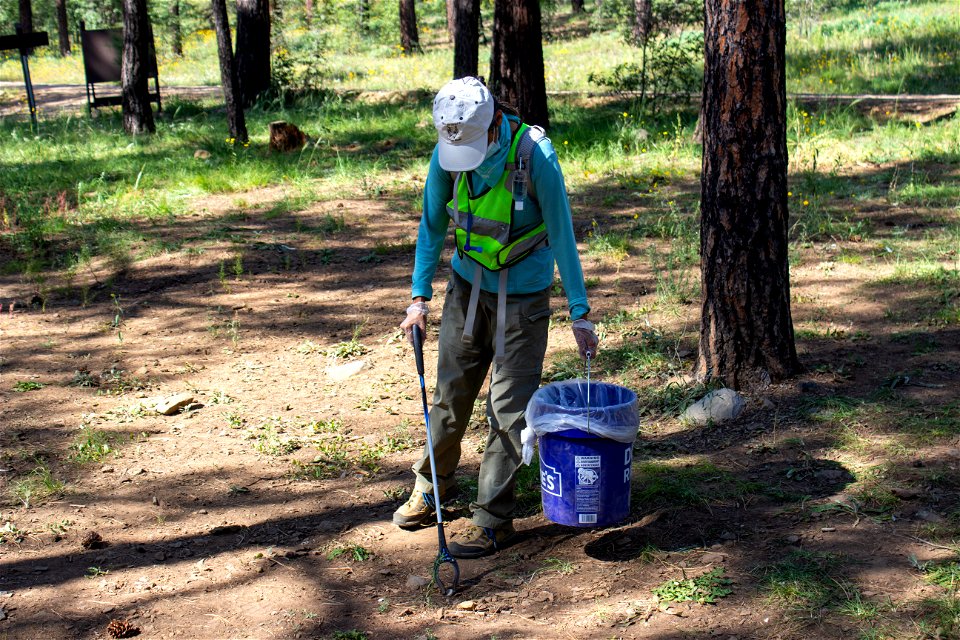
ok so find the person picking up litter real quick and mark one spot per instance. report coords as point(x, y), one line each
point(499, 180)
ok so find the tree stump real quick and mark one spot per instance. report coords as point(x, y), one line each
point(285, 137)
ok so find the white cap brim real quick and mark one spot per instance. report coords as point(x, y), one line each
point(463, 156)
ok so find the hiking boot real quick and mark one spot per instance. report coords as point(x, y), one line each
point(477, 542)
point(419, 509)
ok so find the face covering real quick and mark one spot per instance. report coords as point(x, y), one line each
point(492, 167)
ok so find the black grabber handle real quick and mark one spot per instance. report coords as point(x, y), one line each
point(418, 347)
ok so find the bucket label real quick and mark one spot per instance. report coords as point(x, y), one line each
point(551, 480)
point(587, 518)
point(588, 486)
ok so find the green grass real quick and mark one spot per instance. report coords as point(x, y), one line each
point(684, 483)
point(36, 486)
point(802, 583)
point(27, 385)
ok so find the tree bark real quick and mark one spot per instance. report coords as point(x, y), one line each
point(26, 16)
point(451, 25)
point(576, 6)
point(642, 21)
point(134, 67)
point(176, 34)
point(228, 73)
point(63, 29)
point(746, 333)
point(253, 49)
point(409, 36)
point(466, 48)
point(516, 60)
point(308, 13)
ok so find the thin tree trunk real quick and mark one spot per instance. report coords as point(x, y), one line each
point(576, 6)
point(746, 333)
point(642, 22)
point(253, 49)
point(516, 60)
point(26, 16)
point(176, 35)
point(63, 29)
point(409, 36)
point(134, 68)
point(228, 73)
point(451, 22)
point(466, 49)
point(308, 13)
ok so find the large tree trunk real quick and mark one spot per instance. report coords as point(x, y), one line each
point(228, 73)
point(176, 34)
point(576, 6)
point(746, 333)
point(63, 29)
point(516, 61)
point(253, 49)
point(26, 16)
point(466, 48)
point(409, 36)
point(134, 67)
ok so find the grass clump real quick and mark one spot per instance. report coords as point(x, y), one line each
point(36, 486)
point(354, 552)
point(91, 445)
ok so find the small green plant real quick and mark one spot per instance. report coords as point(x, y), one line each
point(354, 552)
point(91, 445)
point(27, 385)
point(353, 634)
point(117, 322)
point(561, 566)
point(238, 266)
point(349, 349)
point(384, 606)
point(944, 574)
point(36, 486)
point(10, 533)
point(269, 438)
point(704, 589)
point(95, 572)
point(59, 528)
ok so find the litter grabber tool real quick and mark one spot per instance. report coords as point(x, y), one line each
point(443, 555)
point(588, 390)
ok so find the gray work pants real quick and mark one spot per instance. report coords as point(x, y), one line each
point(461, 370)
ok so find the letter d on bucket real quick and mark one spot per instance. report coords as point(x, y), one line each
point(584, 475)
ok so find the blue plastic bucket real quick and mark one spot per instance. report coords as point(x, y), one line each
point(584, 479)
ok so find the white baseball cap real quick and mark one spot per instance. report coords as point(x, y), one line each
point(462, 113)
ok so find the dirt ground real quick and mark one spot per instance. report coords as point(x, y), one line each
point(263, 509)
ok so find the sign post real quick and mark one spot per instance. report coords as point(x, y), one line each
point(25, 42)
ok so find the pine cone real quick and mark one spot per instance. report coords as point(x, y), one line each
point(121, 629)
point(92, 540)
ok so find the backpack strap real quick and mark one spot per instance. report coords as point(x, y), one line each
point(525, 146)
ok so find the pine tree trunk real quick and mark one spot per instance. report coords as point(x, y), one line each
point(516, 60)
point(746, 333)
point(134, 67)
point(466, 48)
point(642, 22)
point(228, 73)
point(308, 13)
point(26, 16)
point(63, 29)
point(409, 36)
point(253, 49)
point(176, 34)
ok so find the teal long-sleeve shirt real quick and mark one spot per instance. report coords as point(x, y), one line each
point(534, 273)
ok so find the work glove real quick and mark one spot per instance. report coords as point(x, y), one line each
point(587, 340)
point(416, 315)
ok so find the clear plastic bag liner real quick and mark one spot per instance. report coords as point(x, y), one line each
point(563, 405)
